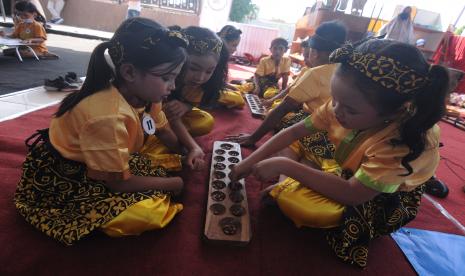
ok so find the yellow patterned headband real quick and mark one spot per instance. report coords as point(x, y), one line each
point(118, 53)
point(386, 71)
point(204, 46)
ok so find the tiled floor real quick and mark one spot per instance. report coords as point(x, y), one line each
point(19, 103)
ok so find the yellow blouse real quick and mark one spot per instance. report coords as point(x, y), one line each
point(267, 66)
point(26, 31)
point(313, 89)
point(301, 73)
point(102, 131)
point(370, 155)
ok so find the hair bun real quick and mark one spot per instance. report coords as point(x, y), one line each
point(342, 55)
point(177, 38)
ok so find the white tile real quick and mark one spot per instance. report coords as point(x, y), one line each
point(9, 109)
point(34, 97)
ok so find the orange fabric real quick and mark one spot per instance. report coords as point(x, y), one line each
point(374, 160)
point(267, 67)
point(25, 31)
point(102, 131)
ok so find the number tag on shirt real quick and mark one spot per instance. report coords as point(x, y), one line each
point(148, 124)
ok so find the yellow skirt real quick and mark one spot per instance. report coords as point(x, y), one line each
point(306, 207)
point(246, 87)
point(153, 213)
point(231, 99)
point(145, 215)
point(198, 122)
point(270, 92)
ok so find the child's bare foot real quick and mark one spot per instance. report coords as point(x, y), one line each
point(265, 196)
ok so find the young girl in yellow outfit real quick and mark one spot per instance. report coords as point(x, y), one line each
point(271, 69)
point(310, 90)
point(30, 32)
point(103, 162)
point(202, 82)
point(381, 121)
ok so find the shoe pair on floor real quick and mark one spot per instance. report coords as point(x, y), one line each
point(69, 82)
point(57, 20)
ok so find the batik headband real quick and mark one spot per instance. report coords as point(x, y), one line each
point(118, 53)
point(386, 71)
point(229, 31)
point(204, 46)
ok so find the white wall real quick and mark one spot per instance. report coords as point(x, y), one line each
point(255, 40)
point(214, 14)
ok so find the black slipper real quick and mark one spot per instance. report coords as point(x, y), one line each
point(436, 188)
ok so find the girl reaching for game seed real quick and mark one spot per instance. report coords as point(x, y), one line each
point(381, 128)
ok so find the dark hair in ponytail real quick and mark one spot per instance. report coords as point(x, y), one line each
point(229, 33)
point(26, 6)
point(218, 79)
point(138, 41)
point(427, 101)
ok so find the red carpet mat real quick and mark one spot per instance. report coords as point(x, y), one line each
point(277, 247)
point(452, 170)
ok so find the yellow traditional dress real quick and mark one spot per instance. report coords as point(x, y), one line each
point(199, 122)
point(368, 155)
point(296, 79)
point(312, 90)
point(62, 190)
point(269, 73)
point(373, 159)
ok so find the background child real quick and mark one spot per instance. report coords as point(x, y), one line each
point(271, 69)
point(96, 167)
point(201, 83)
point(231, 37)
point(309, 91)
point(382, 126)
point(30, 32)
point(274, 101)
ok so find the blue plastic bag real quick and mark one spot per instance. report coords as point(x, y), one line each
point(432, 253)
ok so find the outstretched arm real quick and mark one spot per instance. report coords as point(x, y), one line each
point(348, 192)
point(275, 144)
point(285, 80)
point(270, 122)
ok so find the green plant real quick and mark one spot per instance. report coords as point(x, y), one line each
point(459, 31)
point(242, 10)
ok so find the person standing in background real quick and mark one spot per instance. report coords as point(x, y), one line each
point(400, 28)
point(55, 7)
point(134, 8)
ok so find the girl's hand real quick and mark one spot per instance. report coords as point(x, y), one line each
point(268, 103)
point(241, 170)
point(244, 139)
point(268, 169)
point(195, 159)
point(175, 109)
